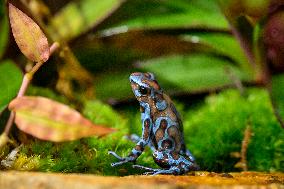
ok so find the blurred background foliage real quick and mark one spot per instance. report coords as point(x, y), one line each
point(196, 49)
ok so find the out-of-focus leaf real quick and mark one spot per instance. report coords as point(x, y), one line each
point(177, 73)
point(4, 30)
point(168, 14)
point(241, 25)
point(196, 72)
point(231, 8)
point(273, 38)
point(256, 9)
point(28, 35)
point(78, 17)
point(277, 94)
point(10, 77)
point(114, 86)
point(50, 120)
point(224, 44)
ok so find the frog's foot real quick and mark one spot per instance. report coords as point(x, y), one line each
point(189, 155)
point(151, 171)
point(121, 160)
point(171, 171)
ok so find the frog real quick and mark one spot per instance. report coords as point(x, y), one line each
point(162, 130)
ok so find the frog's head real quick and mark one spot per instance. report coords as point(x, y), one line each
point(144, 86)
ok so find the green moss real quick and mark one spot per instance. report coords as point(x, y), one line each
point(90, 154)
point(216, 130)
point(213, 131)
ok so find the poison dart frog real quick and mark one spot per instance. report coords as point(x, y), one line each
point(162, 130)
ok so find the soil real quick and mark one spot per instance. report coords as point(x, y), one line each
point(200, 180)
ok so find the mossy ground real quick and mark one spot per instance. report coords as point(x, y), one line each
point(213, 130)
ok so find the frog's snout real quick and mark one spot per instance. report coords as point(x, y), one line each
point(135, 77)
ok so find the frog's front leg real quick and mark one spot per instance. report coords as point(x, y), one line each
point(138, 149)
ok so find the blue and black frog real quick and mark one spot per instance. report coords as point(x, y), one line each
point(162, 130)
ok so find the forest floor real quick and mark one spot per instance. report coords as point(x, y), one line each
point(31, 180)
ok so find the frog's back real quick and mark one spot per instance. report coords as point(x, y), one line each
point(168, 129)
point(171, 112)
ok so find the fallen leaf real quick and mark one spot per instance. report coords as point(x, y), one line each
point(28, 35)
point(50, 120)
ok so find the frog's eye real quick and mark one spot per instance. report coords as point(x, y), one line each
point(142, 90)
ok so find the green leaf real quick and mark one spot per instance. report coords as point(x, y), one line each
point(78, 17)
point(196, 72)
point(4, 30)
point(114, 86)
point(10, 77)
point(176, 73)
point(50, 120)
point(167, 14)
point(223, 44)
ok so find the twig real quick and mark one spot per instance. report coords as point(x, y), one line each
point(243, 155)
point(245, 143)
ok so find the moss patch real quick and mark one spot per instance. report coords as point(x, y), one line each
point(213, 132)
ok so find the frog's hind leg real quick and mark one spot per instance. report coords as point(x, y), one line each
point(173, 162)
point(135, 139)
point(189, 155)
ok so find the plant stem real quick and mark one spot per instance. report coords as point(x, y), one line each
point(25, 83)
point(54, 47)
point(71, 63)
point(244, 45)
point(9, 123)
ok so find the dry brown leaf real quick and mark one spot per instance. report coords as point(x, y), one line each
point(50, 120)
point(28, 35)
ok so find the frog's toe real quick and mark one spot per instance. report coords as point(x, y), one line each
point(149, 173)
point(122, 160)
point(118, 163)
point(167, 172)
point(115, 155)
point(144, 168)
point(160, 172)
